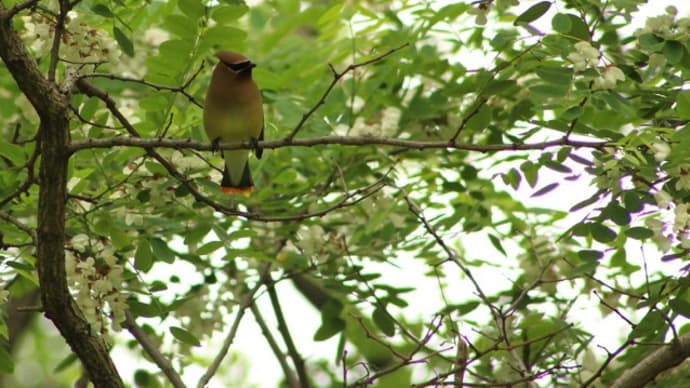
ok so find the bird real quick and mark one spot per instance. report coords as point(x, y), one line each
point(233, 113)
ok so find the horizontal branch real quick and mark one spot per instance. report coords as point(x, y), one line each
point(331, 140)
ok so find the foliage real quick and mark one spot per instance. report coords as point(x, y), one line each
point(459, 190)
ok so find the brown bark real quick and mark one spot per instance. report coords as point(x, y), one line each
point(52, 107)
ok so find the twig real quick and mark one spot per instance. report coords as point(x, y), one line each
point(20, 7)
point(290, 377)
point(246, 300)
point(150, 349)
point(175, 89)
point(336, 77)
point(296, 357)
point(59, 30)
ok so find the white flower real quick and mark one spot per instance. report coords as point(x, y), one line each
point(659, 24)
point(680, 222)
point(609, 77)
point(584, 55)
point(661, 151)
point(80, 242)
point(390, 117)
point(683, 173)
point(362, 128)
point(357, 104)
point(313, 239)
point(4, 296)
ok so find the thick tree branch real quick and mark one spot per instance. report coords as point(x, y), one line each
point(52, 106)
point(663, 358)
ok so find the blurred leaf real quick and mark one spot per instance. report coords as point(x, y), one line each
point(184, 336)
point(533, 13)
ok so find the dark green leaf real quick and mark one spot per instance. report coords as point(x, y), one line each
point(68, 361)
point(192, 8)
point(681, 306)
point(585, 203)
point(124, 42)
point(590, 254)
point(530, 171)
point(674, 51)
point(544, 189)
point(639, 233)
point(102, 10)
point(6, 362)
point(184, 336)
point(632, 202)
point(143, 257)
point(602, 233)
point(383, 321)
point(650, 42)
point(329, 328)
point(497, 244)
point(161, 251)
point(561, 23)
point(533, 13)
point(617, 214)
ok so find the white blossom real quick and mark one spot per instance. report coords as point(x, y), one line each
point(608, 78)
point(663, 199)
point(584, 55)
point(661, 151)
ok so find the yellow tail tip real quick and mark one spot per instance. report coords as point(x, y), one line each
point(246, 191)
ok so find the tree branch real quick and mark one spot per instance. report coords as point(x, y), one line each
point(663, 358)
point(290, 377)
point(336, 77)
point(245, 301)
point(52, 107)
point(163, 364)
point(332, 140)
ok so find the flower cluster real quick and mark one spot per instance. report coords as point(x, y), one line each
point(586, 56)
point(80, 43)
point(95, 282)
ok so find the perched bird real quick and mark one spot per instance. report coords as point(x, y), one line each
point(233, 113)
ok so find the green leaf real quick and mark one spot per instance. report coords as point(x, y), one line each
point(328, 329)
point(124, 42)
point(143, 257)
point(184, 336)
point(181, 25)
point(146, 310)
point(497, 244)
point(229, 13)
point(533, 13)
point(683, 104)
point(617, 214)
point(561, 23)
point(383, 321)
point(512, 178)
point(6, 362)
point(544, 190)
point(578, 28)
point(590, 254)
point(554, 74)
point(632, 202)
point(68, 361)
point(649, 325)
point(681, 306)
point(530, 171)
point(601, 233)
point(639, 233)
point(16, 154)
point(650, 42)
point(192, 8)
point(161, 251)
point(209, 247)
point(102, 10)
point(674, 51)
point(572, 113)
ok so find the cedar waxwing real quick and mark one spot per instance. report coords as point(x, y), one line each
point(233, 113)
